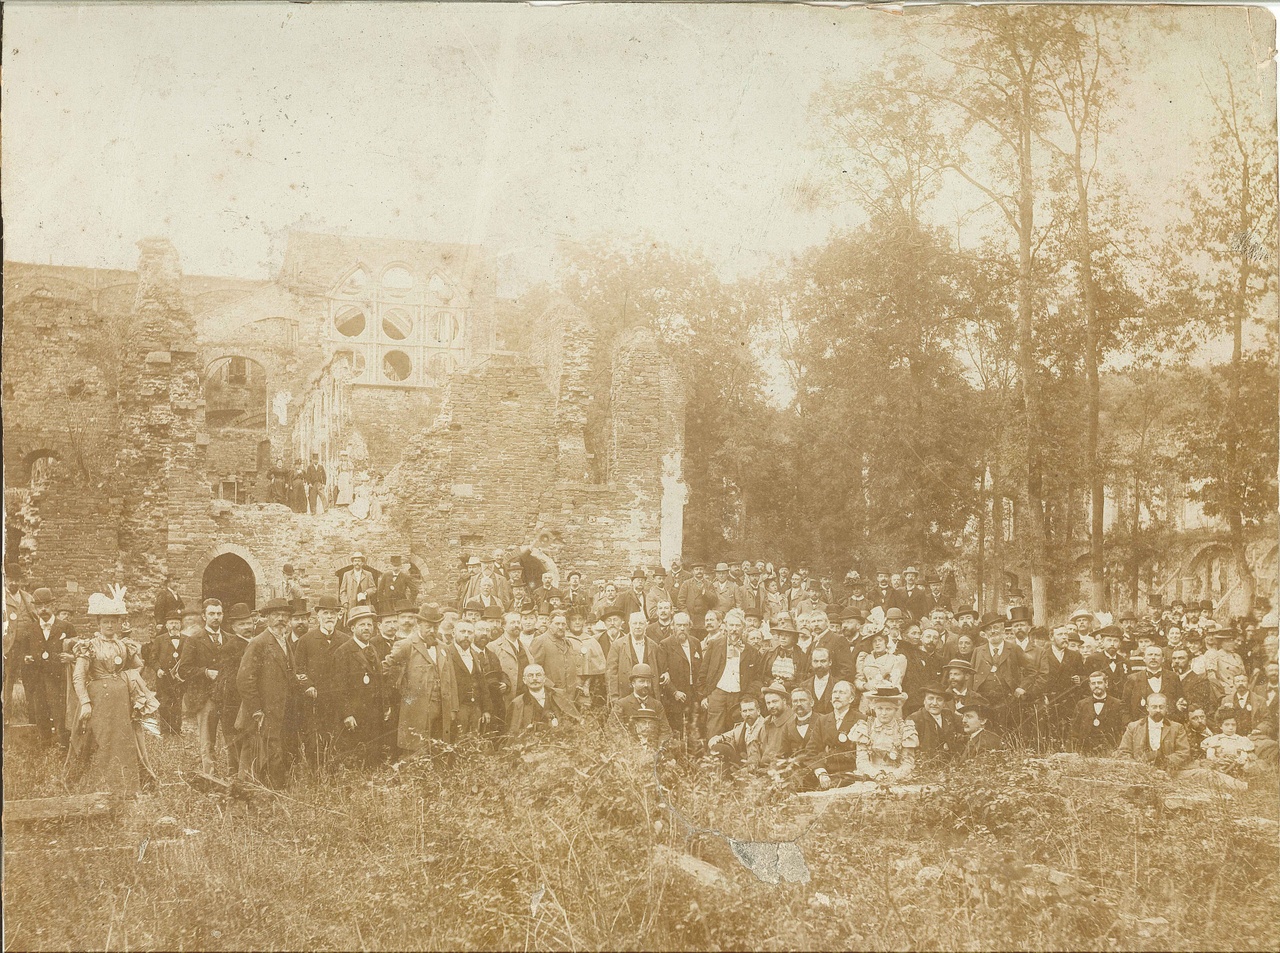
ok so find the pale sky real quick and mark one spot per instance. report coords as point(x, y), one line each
point(222, 125)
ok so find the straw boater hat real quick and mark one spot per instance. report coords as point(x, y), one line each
point(361, 612)
point(886, 694)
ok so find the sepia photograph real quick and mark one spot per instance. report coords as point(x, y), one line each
point(640, 476)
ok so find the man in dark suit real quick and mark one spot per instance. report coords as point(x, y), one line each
point(1249, 707)
point(313, 663)
point(199, 668)
point(395, 586)
point(821, 679)
point(167, 601)
point(627, 652)
point(1153, 679)
point(940, 731)
point(1059, 684)
point(641, 707)
point(1002, 675)
point(575, 594)
point(538, 708)
point(803, 744)
point(357, 678)
point(1109, 660)
point(661, 620)
point(233, 649)
point(843, 662)
point(884, 595)
point(269, 694)
point(835, 750)
point(161, 655)
point(1193, 688)
point(979, 739)
point(915, 598)
point(470, 674)
point(635, 599)
point(1099, 719)
point(679, 670)
point(731, 670)
point(39, 642)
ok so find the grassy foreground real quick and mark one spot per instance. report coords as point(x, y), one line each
point(562, 850)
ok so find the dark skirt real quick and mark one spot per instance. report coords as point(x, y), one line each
point(108, 752)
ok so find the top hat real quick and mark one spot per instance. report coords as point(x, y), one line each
point(1020, 614)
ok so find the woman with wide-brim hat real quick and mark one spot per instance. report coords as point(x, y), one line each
point(108, 746)
point(886, 742)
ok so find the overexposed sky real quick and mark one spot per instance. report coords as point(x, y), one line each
point(221, 125)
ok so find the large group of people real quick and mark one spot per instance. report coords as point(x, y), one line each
point(752, 670)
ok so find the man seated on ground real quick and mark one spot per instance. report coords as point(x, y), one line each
point(641, 704)
point(803, 744)
point(1099, 719)
point(776, 721)
point(743, 744)
point(836, 748)
point(980, 740)
point(537, 708)
point(1197, 731)
point(1155, 739)
point(940, 731)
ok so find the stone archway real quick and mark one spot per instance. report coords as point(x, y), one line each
point(261, 578)
point(229, 579)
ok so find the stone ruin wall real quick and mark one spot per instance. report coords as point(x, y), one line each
point(505, 462)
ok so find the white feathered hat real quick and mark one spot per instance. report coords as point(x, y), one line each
point(107, 605)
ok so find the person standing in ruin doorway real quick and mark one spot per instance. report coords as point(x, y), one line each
point(167, 601)
point(396, 586)
point(356, 586)
point(316, 481)
point(346, 481)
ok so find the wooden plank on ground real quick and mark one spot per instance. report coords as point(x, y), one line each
point(33, 810)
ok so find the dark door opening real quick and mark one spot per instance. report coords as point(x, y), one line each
point(229, 578)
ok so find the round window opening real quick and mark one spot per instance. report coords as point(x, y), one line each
point(396, 324)
point(397, 279)
point(396, 366)
point(350, 322)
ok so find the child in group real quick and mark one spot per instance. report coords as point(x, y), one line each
point(1228, 751)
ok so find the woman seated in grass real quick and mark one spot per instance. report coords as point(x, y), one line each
point(1228, 751)
point(886, 741)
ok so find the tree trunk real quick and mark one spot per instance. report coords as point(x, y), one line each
point(1027, 368)
point(1097, 494)
point(1235, 519)
point(980, 604)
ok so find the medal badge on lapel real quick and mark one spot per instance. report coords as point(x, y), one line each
point(555, 723)
point(844, 738)
point(118, 660)
point(366, 679)
point(1097, 723)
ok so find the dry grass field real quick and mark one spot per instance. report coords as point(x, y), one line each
point(564, 849)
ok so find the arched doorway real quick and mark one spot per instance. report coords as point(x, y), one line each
point(230, 579)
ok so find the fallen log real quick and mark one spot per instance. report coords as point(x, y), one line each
point(68, 807)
